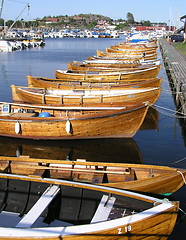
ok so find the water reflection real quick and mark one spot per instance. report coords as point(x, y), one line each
point(103, 150)
point(151, 120)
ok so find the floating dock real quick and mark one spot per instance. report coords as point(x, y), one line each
point(175, 65)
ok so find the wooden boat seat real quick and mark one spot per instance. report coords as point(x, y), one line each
point(104, 208)
point(131, 176)
point(29, 219)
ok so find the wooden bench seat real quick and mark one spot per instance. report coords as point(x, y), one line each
point(104, 209)
point(29, 219)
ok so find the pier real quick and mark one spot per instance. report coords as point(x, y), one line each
point(175, 65)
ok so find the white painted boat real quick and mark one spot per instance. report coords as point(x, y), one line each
point(5, 46)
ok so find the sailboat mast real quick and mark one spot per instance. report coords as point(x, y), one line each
point(1, 8)
point(27, 5)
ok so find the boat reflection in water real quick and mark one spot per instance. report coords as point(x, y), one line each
point(151, 119)
point(102, 150)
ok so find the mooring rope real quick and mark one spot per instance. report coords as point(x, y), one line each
point(174, 112)
point(182, 211)
point(180, 160)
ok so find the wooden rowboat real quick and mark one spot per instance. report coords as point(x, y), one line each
point(49, 122)
point(133, 75)
point(43, 208)
point(78, 97)
point(85, 67)
point(50, 83)
point(144, 55)
point(138, 45)
point(135, 177)
point(125, 45)
point(133, 51)
point(119, 54)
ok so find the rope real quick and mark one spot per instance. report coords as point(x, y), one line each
point(178, 161)
point(182, 176)
point(168, 114)
point(182, 211)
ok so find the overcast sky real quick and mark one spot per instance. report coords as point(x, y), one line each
point(154, 11)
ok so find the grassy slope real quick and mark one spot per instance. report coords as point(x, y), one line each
point(181, 47)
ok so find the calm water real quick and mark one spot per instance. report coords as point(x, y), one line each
point(160, 141)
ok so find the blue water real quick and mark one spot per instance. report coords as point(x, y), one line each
point(162, 142)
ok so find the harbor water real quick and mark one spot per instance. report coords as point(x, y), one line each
point(160, 141)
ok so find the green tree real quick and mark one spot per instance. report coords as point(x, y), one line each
point(130, 17)
point(1, 22)
point(9, 23)
point(146, 23)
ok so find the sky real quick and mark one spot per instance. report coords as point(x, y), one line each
point(168, 11)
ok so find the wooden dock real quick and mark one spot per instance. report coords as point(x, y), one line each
point(175, 65)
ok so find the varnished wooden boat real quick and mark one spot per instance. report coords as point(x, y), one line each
point(50, 83)
point(49, 122)
point(105, 62)
point(78, 97)
point(138, 45)
point(132, 75)
point(135, 177)
point(119, 54)
point(86, 67)
point(144, 54)
point(43, 208)
point(128, 45)
point(133, 51)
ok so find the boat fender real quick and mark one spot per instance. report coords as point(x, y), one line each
point(68, 126)
point(17, 127)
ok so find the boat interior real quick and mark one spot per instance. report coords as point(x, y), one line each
point(26, 204)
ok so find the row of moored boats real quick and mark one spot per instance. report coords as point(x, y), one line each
point(106, 96)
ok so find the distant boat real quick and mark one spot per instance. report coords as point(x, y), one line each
point(135, 177)
point(42, 208)
point(71, 122)
point(5, 46)
point(122, 54)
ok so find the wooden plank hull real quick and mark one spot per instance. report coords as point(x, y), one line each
point(78, 123)
point(132, 51)
point(135, 177)
point(42, 96)
point(135, 47)
point(119, 54)
point(86, 67)
point(149, 218)
point(149, 73)
point(49, 83)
